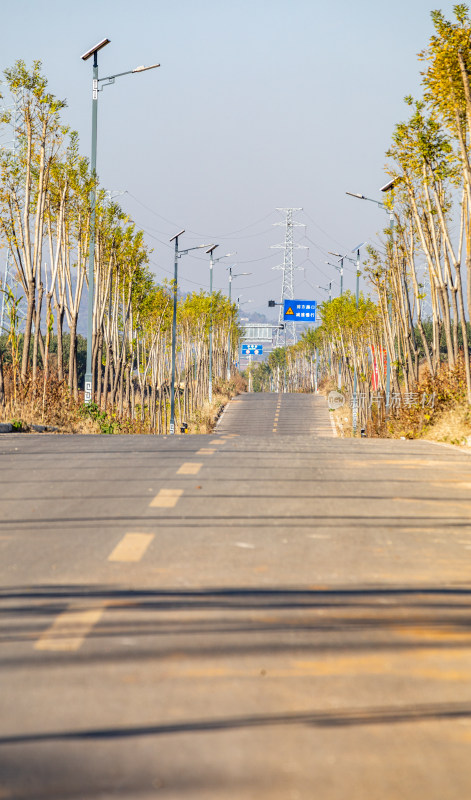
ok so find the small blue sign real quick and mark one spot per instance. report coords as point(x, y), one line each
point(299, 310)
point(252, 349)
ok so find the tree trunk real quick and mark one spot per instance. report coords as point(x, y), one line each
point(2, 383)
point(31, 296)
point(72, 351)
point(99, 369)
point(60, 344)
point(106, 377)
point(37, 331)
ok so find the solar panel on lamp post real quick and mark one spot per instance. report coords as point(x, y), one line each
point(88, 394)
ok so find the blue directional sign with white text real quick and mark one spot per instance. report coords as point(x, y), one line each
point(299, 310)
point(252, 349)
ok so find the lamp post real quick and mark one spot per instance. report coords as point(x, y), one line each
point(212, 262)
point(340, 269)
point(240, 303)
point(337, 267)
point(178, 254)
point(231, 278)
point(91, 250)
point(355, 379)
point(327, 289)
point(388, 187)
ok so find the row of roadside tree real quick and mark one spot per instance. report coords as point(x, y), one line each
point(418, 316)
point(45, 186)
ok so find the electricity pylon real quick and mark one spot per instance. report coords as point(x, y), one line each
point(287, 288)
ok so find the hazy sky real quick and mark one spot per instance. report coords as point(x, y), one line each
point(257, 104)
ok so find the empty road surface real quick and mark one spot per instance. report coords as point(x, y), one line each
point(267, 613)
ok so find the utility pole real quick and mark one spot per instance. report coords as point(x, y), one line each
point(110, 79)
point(388, 187)
point(287, 287)
point(229, 347)
point(178, 254)
point(337, 267)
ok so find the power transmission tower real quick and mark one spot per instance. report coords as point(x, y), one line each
point(287, 288)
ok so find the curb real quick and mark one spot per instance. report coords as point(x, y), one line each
point(7, 427)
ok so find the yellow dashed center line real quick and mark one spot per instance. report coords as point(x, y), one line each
point(166, 498)
point(189, 468)
point(205, 451)
point(69, 629)
point(456, 484)
point(131, 547)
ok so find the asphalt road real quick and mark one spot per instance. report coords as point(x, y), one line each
point(268, 612)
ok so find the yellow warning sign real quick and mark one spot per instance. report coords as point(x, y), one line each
point(289, 312)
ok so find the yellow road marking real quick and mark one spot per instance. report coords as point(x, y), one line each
point(205, 451)
point(69, 629)
point(450, 634)
point(431, 663)
point(406, 463)
point(216, 441)
point(189, 468)
point(166, 498)
point(439, 503)
point(131, 547)
point(456, 484)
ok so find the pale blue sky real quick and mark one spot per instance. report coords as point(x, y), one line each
point(257, 104)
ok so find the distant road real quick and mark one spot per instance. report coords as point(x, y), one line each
point(284, 414)
point(255, 615)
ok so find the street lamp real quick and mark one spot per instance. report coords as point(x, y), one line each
point(240, 303)
point(389, 186)
point(355, 261)
point(91, 252)
point(327, 289)
point(231, 278)
point(178, 254)
point(212, 261)
point(337, 267)
point(355, 379)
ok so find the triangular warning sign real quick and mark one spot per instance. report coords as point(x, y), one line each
point(289, 311)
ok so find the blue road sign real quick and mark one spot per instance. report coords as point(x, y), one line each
point(299, 310)
point(252, 349)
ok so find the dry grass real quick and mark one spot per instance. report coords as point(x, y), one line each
point(58, 409)
point(55, 407)
point(448, 420)
point(342, 418)
point(452, 426)
point(204, 419)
